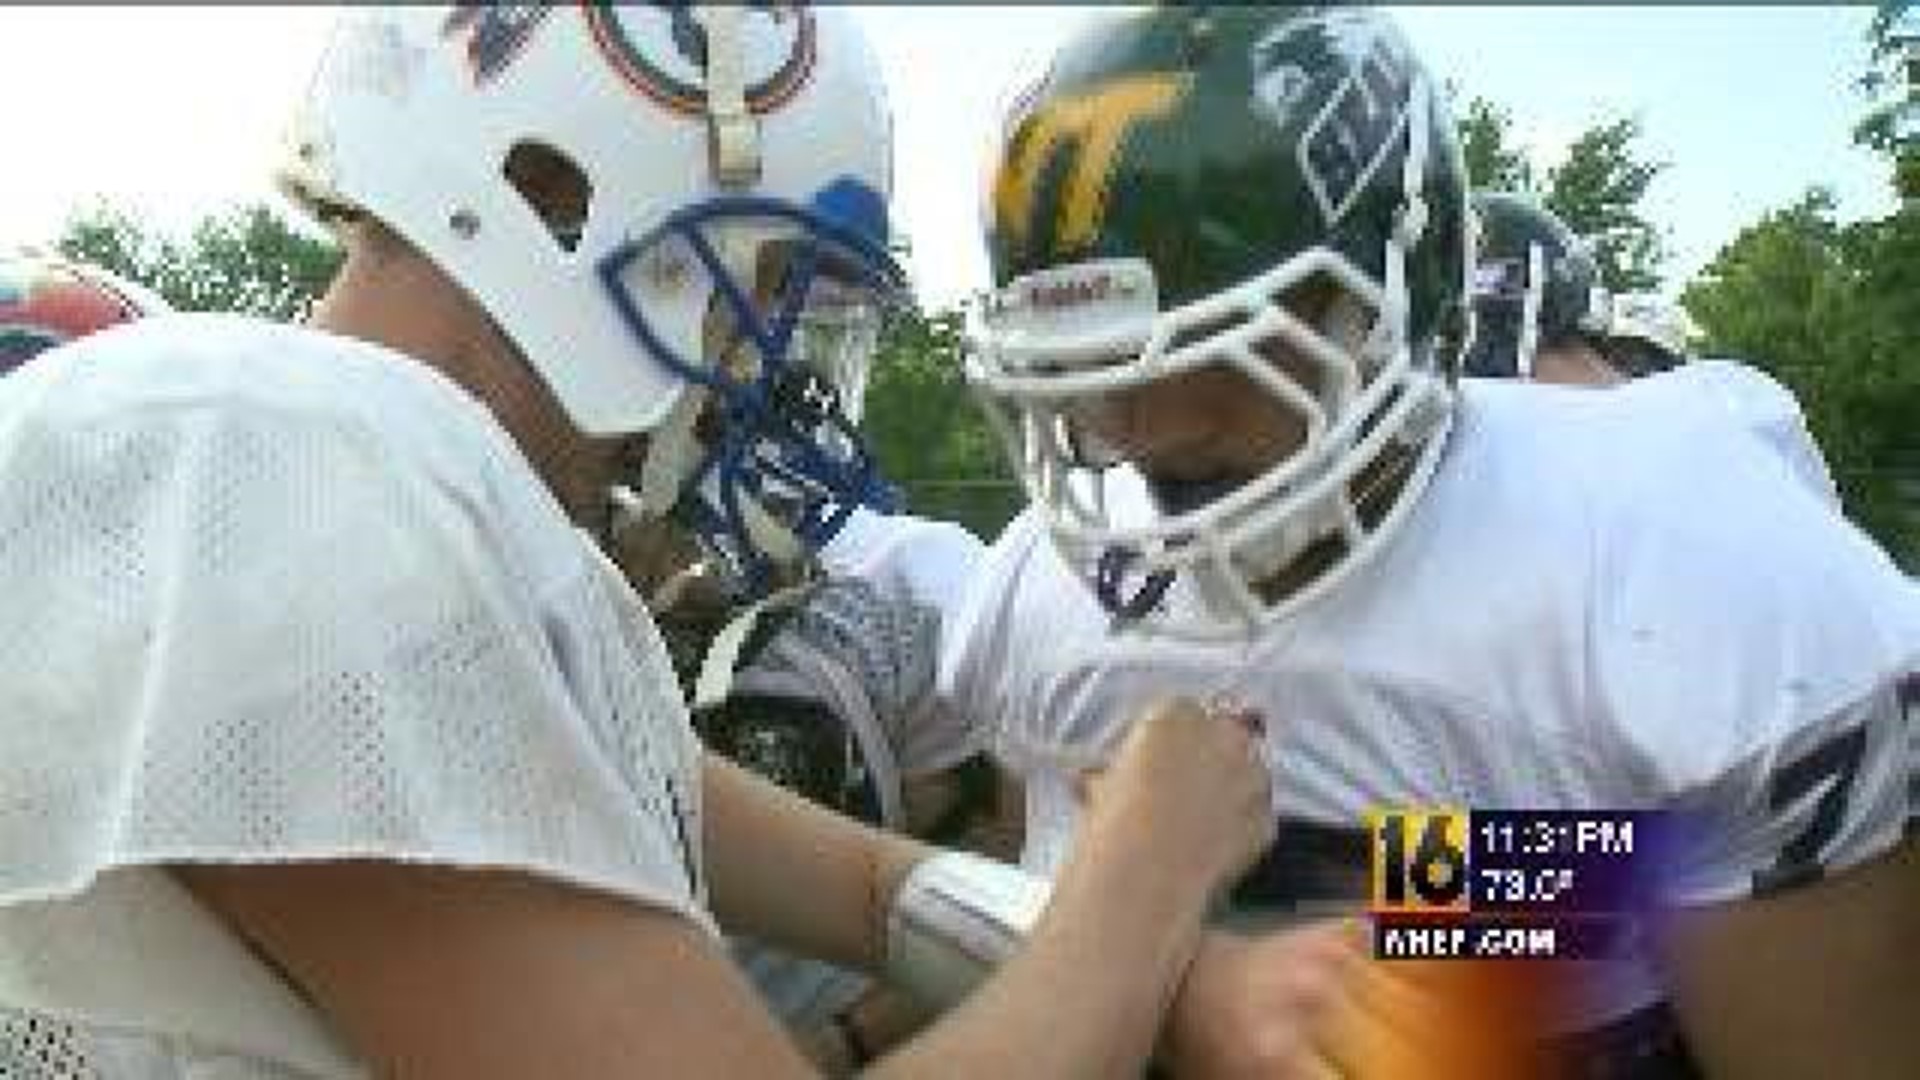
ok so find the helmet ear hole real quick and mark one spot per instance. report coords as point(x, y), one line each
point(555, 188)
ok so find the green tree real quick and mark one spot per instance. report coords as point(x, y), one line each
point(1597, 189)
point(248, 260)
point(1891, 125)
point(928, 433)
point(1833, 311)
point(1486, 141)
point(1888, 255)
point(1778, 290)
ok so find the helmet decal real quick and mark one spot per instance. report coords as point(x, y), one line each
point(1089, 129)
point(1356, 131)
point(780, 57)
point(1279, 81)
point(494, 33)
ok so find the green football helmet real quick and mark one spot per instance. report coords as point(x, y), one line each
point(1536, 286)
point(1272, 191)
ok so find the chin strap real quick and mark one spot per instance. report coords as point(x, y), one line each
point(733, 135)
point(1530, 312)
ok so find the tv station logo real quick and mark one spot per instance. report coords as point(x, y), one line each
point(1453, 883)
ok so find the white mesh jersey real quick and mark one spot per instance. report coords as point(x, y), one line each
point(1605, 601)
point(275, 595)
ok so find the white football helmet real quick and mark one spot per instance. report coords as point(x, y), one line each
point(1646, 333)
point(664, 207)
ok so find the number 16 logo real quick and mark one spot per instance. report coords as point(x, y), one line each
point(1419, 859)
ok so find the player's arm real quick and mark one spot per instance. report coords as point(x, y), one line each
point(1118, 930)
point(795, 875)
point(436, 971)
point(1818, 981)
point(1246, 1007)
point(1814, 975)
point(430, 971)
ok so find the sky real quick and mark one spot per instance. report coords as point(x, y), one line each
point(175, 112)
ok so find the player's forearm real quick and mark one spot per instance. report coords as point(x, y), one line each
point(1086, 993)
point(794, 875)
point(1860, 930)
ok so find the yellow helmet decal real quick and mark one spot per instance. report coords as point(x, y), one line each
point(1092, 128)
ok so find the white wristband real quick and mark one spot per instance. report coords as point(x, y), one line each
point(956, 918)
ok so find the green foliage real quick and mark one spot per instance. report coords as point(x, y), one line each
point(249, 260)
point(1891, 125)
point(1833, 311)
point(1486, 141)
point(929, 435)
point(1597, 191)
point(1779, 284)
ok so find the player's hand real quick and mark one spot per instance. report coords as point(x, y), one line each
point(1188, 791)
point(1265, 1007)
point(1310, 1002)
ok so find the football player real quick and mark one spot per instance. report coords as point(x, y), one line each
point(1540, 311)
point(1231, 259)
point(1540, 314)
point(332, 744)
point(47, 300)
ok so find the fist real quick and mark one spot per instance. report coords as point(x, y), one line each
point(1263, 1007)
point(1189, 784)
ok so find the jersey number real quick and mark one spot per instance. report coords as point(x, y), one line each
point(1833, 764)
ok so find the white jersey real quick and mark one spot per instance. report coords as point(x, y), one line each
point(275, 596)
point(1597, 605)
point(1748, 398)
point(902, 555)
